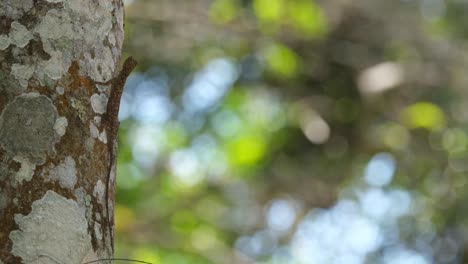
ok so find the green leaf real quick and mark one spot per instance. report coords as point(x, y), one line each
point(223, 11)
point(184, 221)
point(246, 150)
point(268, 10)
point(307, 18)
point(281, 60)
point(423, 115)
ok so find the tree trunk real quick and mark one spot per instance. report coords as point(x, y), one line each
point(57, 62)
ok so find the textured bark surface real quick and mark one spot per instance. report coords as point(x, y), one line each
point(54, 152)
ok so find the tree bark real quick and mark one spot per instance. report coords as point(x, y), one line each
point(57, 62)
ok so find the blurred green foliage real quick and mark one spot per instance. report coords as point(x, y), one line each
point(423, 115)
point(294, 131)
point(281, 60)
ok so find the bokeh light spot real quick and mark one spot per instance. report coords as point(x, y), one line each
point(454, 140)
point(281, 215)
point(223, 11)
point(281, 60)
point(380, 169)
point(268, 10)
point(307, 17)
point(147, 255)
point(246, 150)
point(395, 136)
point(124, 218)
point(380, 78)
point(423, 115)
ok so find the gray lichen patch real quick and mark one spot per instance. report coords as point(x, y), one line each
point(55, 67)
point(97, 120)
point(80, 196)
point(103, 88)
point(80, 199)
point(98, 192)
point(99, 103)
point(66, 34)
point(88, 208)
point(15, 8)
point(60, 126)
point(22, 73)
point(60, 90)
point(4, 42)
point(97, 231)
point(19, 35)
point(55, 231)
point(80, 108)
point(55, 25)
point(26, 172)
point(89, 144)
point(103, 137)
point(67, 31)
point(93, 130)
point(27, 127)
point(65, 173)
point(98, 216)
